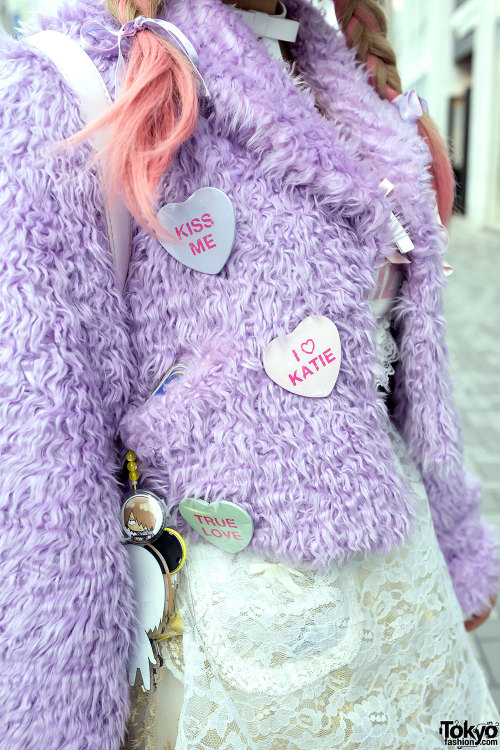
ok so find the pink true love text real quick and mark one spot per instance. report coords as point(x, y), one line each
point(223, 527)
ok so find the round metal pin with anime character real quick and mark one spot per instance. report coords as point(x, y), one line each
point(143, 517)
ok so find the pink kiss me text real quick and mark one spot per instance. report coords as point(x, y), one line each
point(194, 226)
point(218, 532)
point(324, 360)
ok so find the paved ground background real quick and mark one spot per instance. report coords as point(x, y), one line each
point(472, 306)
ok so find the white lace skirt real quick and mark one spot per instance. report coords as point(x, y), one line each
point(372, 654)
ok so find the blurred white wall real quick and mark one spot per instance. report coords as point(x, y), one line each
point(449, 52)
point(12, 10)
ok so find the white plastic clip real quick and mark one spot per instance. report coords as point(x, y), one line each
point(399, 234)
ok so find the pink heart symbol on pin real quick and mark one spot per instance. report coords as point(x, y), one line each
point(305, 348)
point(295, 369)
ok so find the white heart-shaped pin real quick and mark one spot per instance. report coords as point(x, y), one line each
point(306, 361)
point(204, 225)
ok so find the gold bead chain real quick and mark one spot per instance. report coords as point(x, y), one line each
point(132, 468)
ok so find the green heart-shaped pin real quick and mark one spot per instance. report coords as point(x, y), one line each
point(225, 524)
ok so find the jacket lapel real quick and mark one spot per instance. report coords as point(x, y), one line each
point(339, 161)
point(424, 406)
point(260, 107)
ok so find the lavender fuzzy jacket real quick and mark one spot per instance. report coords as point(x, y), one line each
point(78, 361)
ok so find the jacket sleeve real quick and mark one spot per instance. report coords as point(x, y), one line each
point(65, 600)
point(468, 543)
point(426, 413)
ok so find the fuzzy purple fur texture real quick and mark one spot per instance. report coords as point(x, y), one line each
point(78, 362)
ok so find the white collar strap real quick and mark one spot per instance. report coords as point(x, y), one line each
point(82, 75)
point(271, 27)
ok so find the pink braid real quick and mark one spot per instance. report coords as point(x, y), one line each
point(364, 25)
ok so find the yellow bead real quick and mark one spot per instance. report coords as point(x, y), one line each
point(131, 456)
point(134, 476)
point(131, 466)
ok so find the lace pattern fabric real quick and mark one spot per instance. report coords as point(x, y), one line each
point(387, 282)
point(387, 351)
point(370, 654)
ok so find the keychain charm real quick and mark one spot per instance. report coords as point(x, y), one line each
point(156, 554)
point(143, 515)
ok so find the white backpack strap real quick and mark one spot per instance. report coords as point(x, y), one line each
point(83, 76)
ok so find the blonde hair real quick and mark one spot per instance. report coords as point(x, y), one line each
point(365, 27)
point(127, 11)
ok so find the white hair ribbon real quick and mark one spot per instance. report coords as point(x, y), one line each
point(97, 38)
point(411, 106)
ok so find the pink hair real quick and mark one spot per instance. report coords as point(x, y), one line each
point(155, 112)
point(368, 14)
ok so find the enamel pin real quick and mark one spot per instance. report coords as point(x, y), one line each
point(306, 361)
point(203, 227)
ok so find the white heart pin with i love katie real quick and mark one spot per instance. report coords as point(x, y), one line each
point(306, 361)
point(204, 228)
